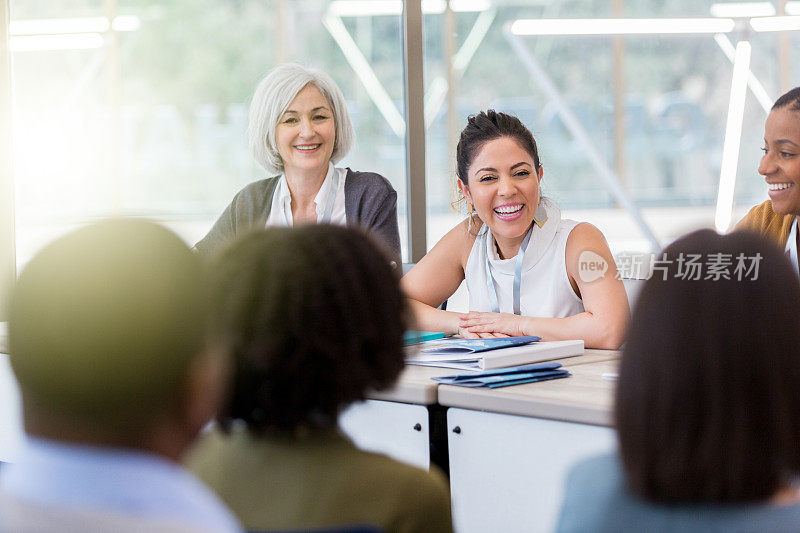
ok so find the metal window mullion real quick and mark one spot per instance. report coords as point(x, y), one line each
point(7, 250)
point(414, 96)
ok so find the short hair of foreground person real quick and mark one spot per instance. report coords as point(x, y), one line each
point(105, 323)
point(315, 317)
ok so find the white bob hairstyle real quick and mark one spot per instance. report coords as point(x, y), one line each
point(272, 98)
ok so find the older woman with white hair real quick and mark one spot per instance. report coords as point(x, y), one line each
point(299, 127)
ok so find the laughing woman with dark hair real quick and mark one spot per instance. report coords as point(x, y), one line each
point(315, 318)
point(707, 409)
point(518, 256)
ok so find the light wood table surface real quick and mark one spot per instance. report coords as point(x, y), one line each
point(416, 386)
point(585, 397)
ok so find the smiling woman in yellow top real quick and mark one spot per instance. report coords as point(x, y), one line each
point(776, 218)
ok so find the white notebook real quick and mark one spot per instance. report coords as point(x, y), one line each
point(535, 352)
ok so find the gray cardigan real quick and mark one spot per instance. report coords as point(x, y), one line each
point(370, 202)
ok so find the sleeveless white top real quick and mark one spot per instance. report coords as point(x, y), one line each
point(545, 290)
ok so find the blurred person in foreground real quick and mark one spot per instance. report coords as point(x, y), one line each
point(315, 318)
point(707, 411)
point(299, 128)
point(107, 340)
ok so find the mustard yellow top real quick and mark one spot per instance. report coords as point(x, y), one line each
point(763, 220)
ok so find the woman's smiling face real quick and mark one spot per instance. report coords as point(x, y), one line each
point(306, 133)
point(780, 164)
point(504, 188)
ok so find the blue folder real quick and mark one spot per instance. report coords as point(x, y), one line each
point(504, 377)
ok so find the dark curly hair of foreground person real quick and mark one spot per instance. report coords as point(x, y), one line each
point(315, 318)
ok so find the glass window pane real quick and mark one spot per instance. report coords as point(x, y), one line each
point(151, 120)
point(675, 92)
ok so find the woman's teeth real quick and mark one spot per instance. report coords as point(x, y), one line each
point(508, 209)
point(306, 148)
point(779, 186)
